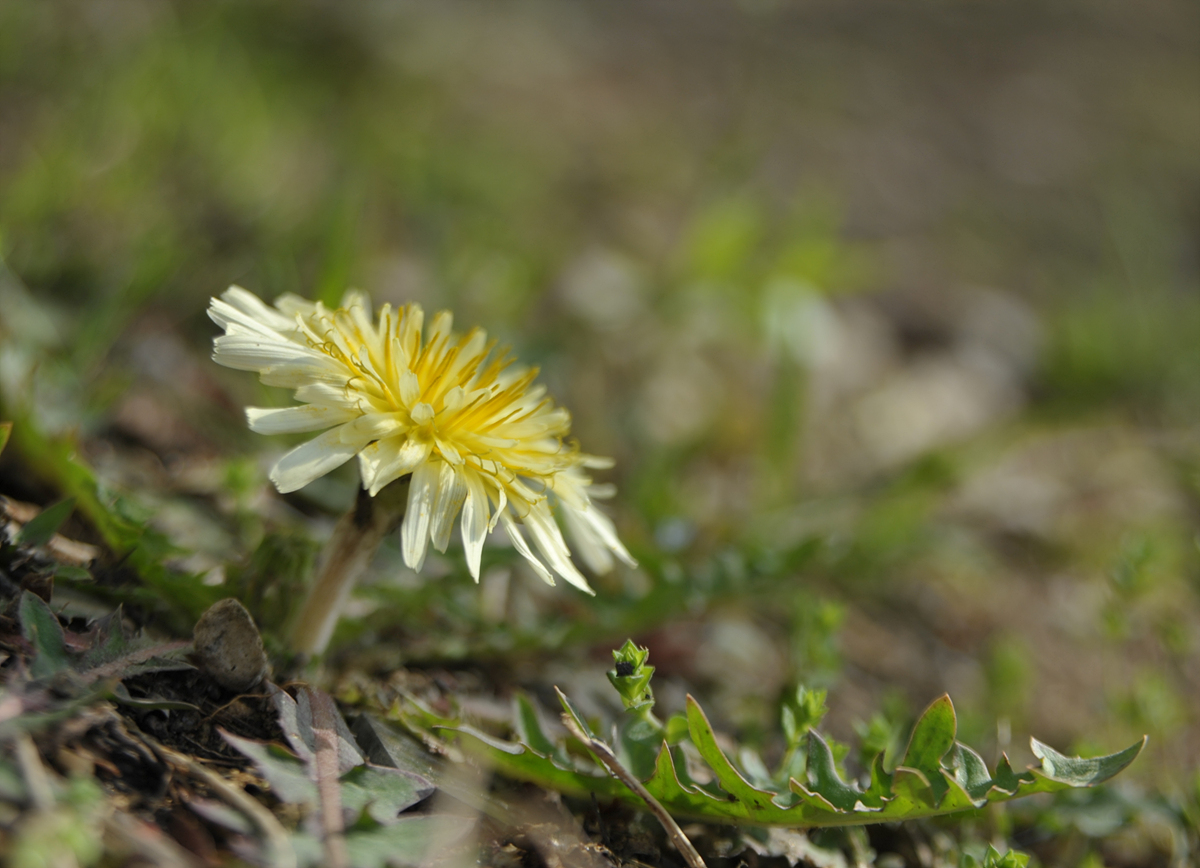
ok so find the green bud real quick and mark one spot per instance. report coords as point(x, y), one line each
point(631, 676)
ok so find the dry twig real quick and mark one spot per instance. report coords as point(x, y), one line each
point(604, 753)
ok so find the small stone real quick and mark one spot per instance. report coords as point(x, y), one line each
point(228, 646)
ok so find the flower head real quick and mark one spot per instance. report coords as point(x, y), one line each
point(477, 435)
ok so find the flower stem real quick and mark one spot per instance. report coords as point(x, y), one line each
point(349, 551)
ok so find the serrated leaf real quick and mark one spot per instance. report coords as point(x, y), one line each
point(1005, 778)
point(921, 787)
point(69, 573)
point(1080, 772)
point(529, 727)
point(40, 628)
point(404, 844)
point(522, 763)
point(931, 739)
point(751, 799)
point(880, 789)
point(285, 773)
point(638, 744)
point(932, 736)
point(823, 776)
point(296, 720)
point(955, 797)
point(39, 529)
point(970, 771)
point(108, 641)
point(382, 791)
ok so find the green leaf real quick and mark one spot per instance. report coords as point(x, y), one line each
point(40, 628)
point(638, 744)
point(521, 763)
point(752, 799)
point(44, 525)
point(937, 774)
point(285, 773)
point(970, 771)
point(5, 433)
point(404, 844)
point(1011, 859)
point(880, 789)
point(529, 727)
point(823, 776)
point(1079, 772)
point(382, 791)
point(801, 711)
point(931, 739)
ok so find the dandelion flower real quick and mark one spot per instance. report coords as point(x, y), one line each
point(478, 436)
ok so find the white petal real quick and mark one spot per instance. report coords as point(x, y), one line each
point(253, 309)
point(303, 371)
point(548, 539)
point(451, 492)
point(595, 536)
point(596, 462)
point(474, 520)
point(311, 460)
point(398, 456)
point(448, 451)
point(585, 541)
point(292, 304)
point(414, 534)
point(454, 400)
point(292, 420)
point(359, 304)
point(329, 395)
point(501, 506)
point(372, 426)
point(518, 541)
point(410, 388)
point(246, 352)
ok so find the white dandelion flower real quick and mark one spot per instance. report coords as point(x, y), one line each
point(478, 436)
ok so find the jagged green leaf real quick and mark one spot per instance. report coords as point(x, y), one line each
point(750, 801)
point(931, 739)
point(823, 776)
point(1079, 772)
point(407, 842)
point(285, 773)
point(381, 791)
point(40, 628)
point(993, 859)
point(936, 775)
point(970, 771)
point(522, 763)
point(39, 529)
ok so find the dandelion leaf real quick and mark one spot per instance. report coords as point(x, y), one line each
point(935, 775)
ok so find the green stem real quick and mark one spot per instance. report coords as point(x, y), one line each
point(347, 555)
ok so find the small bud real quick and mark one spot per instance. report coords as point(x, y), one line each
point(631, 676)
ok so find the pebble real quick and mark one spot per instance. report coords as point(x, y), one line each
point(228, 646)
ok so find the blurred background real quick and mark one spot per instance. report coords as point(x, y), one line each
point(889, 314)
